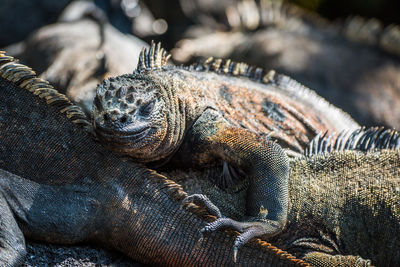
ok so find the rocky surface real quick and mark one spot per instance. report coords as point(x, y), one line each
point(66, 256)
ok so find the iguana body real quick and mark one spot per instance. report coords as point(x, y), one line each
point(58, 185)
point(354, 65)
point(199, 117)
point(138, 212)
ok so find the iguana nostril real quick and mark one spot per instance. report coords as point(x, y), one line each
point(123, 119)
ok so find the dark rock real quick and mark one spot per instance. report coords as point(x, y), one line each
point(18, 18)
point(63, 256)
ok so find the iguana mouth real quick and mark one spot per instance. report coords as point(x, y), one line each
point(127, 136)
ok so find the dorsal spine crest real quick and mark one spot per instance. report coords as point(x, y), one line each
point(153, 58)
point(361, 139)
point(229, 67)
point(25, 78)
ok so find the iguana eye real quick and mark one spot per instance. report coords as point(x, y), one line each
point(106, 117)
point(146, 109)
point(97, 102)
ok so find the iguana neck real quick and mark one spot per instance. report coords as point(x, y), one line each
point(184, 108)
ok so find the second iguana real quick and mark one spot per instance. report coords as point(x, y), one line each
point(211, 113)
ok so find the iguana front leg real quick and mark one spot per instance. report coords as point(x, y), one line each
point(265, 163)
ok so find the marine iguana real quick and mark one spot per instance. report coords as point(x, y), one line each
point(58, 185)
point(204, 114)
point(355, 64)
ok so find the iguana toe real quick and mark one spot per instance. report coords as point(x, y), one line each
point(203, 200)
point(256, 227)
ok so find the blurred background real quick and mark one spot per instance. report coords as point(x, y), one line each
point(385, 10)
point(163, 20)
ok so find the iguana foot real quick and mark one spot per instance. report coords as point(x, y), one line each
point(248, 230)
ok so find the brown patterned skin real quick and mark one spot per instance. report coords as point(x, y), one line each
point(265, 103)
point(190, 117)
point(58, 185)
point(354, 65)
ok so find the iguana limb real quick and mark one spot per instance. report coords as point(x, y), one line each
point(266, 164)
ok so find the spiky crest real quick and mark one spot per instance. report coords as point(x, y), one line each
point(361, 139)
point(390, 39)
point(229, 67)
point(26, 78)
point(152, 58)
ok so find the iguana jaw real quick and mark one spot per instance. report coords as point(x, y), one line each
point(126, 134)
point(124, 139)
point(140, 143)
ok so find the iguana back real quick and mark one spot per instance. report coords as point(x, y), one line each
point(248, 97)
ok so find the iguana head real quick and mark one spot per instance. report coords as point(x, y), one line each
point(144, 115)
point(130, 116)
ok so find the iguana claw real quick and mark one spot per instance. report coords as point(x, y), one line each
point(248, 230)
point(203, 200)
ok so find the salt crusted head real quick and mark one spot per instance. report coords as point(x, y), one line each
point(142, 115)
point(131, 118)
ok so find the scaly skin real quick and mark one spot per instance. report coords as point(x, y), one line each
point(204, 115)
point(247, 97)
point(343, 207)
point(58, 185)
